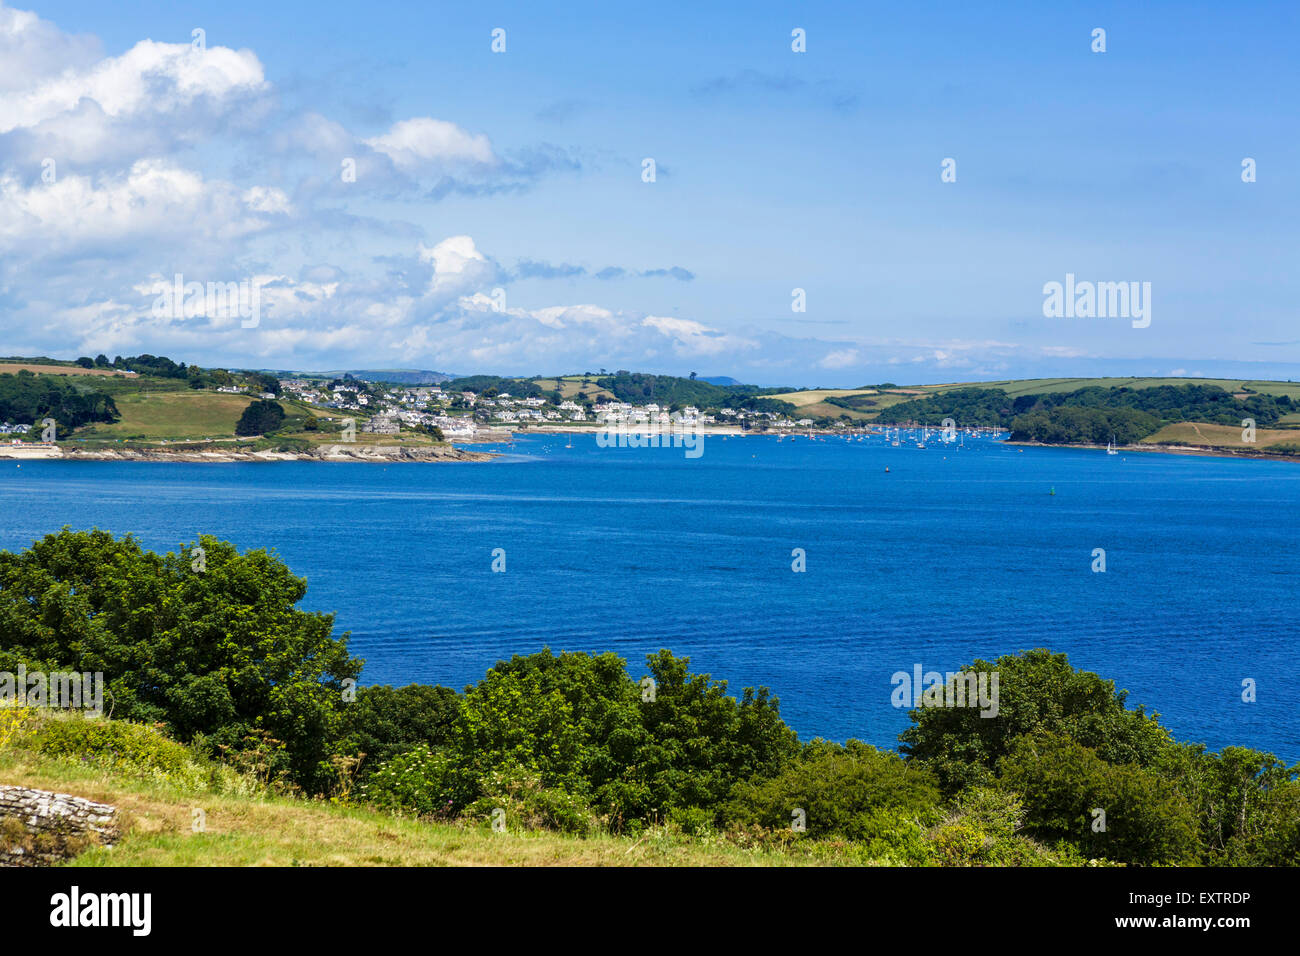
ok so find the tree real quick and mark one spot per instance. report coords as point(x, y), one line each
point(384, 722)
point(260, 417)
point(86, 362)
point(215, 649)
point(1038, 692)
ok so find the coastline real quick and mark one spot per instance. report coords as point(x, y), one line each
point(1195, 450)
point(331, 453)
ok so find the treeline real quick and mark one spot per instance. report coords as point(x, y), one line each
point(209, 644)
point(26, 399)
point(672, 390)
point(479, 384)
point(1091, 414)
point(1065, 425)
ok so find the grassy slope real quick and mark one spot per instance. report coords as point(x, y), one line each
point(1221, 436)
point(571, 385)
point(279, 831)
point(173, 415)
point(11, 368)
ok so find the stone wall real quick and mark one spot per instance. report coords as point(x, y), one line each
point(40, 828)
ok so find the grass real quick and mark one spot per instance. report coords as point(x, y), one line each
point(570, 385)
point(10, 368)
point(1220, 436)
point(1037, 386)
point(813, 404)
point(172, 415)
point(814, 396)
point(242, 830)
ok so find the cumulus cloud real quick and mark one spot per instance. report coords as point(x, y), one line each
point(153, 200)
point(171, 159)
point(63, 102)
point(421, 142)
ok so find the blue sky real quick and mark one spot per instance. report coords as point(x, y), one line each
point(499, 220)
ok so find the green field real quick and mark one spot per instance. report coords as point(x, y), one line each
point(172, 415)
point(570, 385)
point(1037, 386)
point(1221, 436)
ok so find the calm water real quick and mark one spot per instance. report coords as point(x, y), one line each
point(951, 555)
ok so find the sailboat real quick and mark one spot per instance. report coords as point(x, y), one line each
point(1110, 446)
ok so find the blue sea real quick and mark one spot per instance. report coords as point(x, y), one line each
point(933, 556)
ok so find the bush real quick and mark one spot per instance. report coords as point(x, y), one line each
point(384, 722)
point(414, 783)
point(529, 805)
point(693, 821)
point(129, 749)
point(840, 790)
point(1062, 783)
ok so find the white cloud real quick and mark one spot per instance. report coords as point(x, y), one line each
point(458, 267)
point(150, 99)
point(154, 200)
point(420, 142)
point(839, 358)
point(33, 49)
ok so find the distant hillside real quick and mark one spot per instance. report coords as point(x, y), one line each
point(720, 380)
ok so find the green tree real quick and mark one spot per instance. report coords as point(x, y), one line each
point(211, 645)
point(1038, 692)
point(259, 418)
point(384, 722)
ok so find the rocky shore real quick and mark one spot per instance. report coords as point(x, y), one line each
point(327, 453)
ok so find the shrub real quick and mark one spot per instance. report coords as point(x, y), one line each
point(417, 782)
point(130, 749)
point(529, 805)
point(839, 789)
point(260, 417)
point(1062, 782)
point(384, 722)
point(693, 821)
